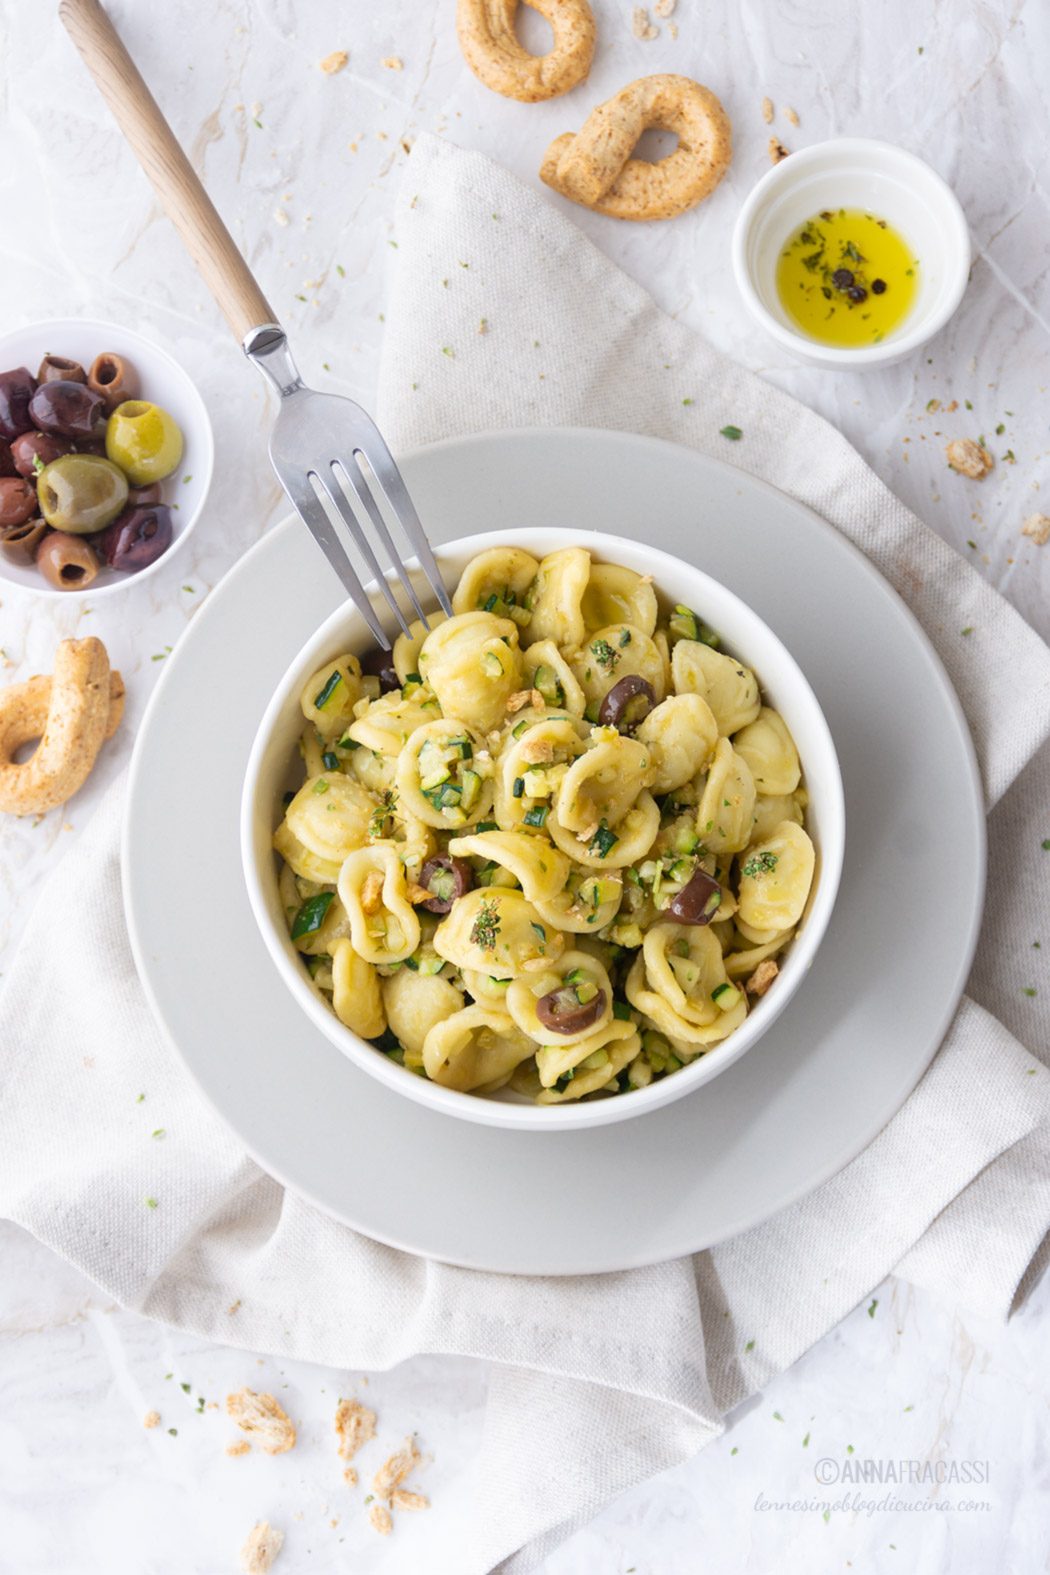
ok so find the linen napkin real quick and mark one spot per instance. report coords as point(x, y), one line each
point(956, 1189)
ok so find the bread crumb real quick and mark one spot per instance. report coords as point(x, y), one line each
point(372, 892)
point(767, 111)
point(950, 409)
point(263, 1416)
point(280, 217)
point(380, 1520)
point(393, 1471)
point(350, 1477)
point(672, 28)
point(393, 63)
point(1037, 528)
point(791, 115)
point(664, 8)
point(524, 697)
point(233, 1307)
point(240, 1446)
point(762, 977)
point(401, 1498)
point(355, 1424)
point(641, 26)
point(151, 1419)
point(261, 1548)
point(969, 458)
point(334, 62)
point(777, 151)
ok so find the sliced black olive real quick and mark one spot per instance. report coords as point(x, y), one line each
point(563, 1012)
point(698, 901)
point(380, 664)
point(628, 702)
point(446, 878)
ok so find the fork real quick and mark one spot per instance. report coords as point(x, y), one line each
point(329, 455)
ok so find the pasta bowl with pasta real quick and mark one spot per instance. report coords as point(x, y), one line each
point(560, 859)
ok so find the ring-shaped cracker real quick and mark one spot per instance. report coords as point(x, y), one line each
point(491, 49)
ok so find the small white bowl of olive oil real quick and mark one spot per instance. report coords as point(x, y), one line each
point(852, 253)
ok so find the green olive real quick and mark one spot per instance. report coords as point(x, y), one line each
point(80, 493)
point(144, 441)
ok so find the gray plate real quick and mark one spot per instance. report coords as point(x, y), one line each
point(806, 1099)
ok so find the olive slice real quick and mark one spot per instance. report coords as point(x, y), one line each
point(563, 1012)
point(628, 702)
point(446, 878)
point(380, 664)
point(698, 901)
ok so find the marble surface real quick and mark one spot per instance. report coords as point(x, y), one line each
point(304, 167)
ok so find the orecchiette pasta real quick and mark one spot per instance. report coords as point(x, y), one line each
point(558, 857)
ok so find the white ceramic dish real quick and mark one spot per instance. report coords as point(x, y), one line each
point(275, 765)
point(854, 172)
point(808, 1097)
point(164, 382)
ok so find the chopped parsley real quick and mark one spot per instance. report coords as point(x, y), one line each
point(734, 434)
point(761, 863)
point(604, 654)
point(485, 928)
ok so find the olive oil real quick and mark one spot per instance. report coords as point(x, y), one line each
point(846, 277)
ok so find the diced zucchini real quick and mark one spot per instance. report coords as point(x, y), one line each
point(686, 841)
point(684, 624)
point(460, 749)
point(311, 915)
point(470, 784)
point(586, 992)
point(536, 816)
point(622, 1011)
point(575, 976)
point(491, 665)
point(545, 679)
point(590, 712)
point(519, 787)
point(486, 825)
point(725, 996)
point(592, 1062)
point(434, 779)
point(522, 727)
point(603, 842)
point(331, 685)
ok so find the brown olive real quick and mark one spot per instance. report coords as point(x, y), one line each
point(563, 1012)
point(380, 664)
point(113, 378)
point(7, 463)
point(33, 446)
point(627, 703)
point(16, 390)
point(446, 878)
point(22, 541)
point(138, 497)
point(56, 369)
point(66, 562)
point(698, 901)
point(69, 409)
point(17, 500)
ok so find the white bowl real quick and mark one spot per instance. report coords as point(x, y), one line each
point(854, 172)
point(275, 765)
point(163, 382)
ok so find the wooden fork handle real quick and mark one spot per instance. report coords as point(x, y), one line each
point(174, 179)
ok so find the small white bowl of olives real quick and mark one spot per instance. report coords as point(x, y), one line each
point(106, 456)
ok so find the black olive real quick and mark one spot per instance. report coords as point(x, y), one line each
point(446, 878)
point(878, 287)
point(842, 278)
point(628, 702)
point(698, 901)
point(68, 410)
point(857, 293)
point(380, 664)
point(564, 1013)
point(136, 538)
point(16, 390)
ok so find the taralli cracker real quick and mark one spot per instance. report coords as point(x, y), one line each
point(491, 49)
point(594, 167)
point(71, 714)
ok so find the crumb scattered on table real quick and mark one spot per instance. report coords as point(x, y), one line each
point(664, 8)
point(969, 458)
point(262, 1547)
point(777, 150)
point(767, 111)
point(394, 1470)
point(334, 62)
point(392, 63)
point(350, 1476)
point(240, 1446)
point(355, 1424)
point(641, 26)
point(1037, 528)
point(151, 1419)
point(264, 1417)
point(233, 1307)
point(791, 115)
point(401, 1498)
point(380, 1519)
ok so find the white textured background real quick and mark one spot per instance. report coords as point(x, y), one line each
point(308, 193)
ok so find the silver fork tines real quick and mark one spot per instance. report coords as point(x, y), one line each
point(320, 448)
